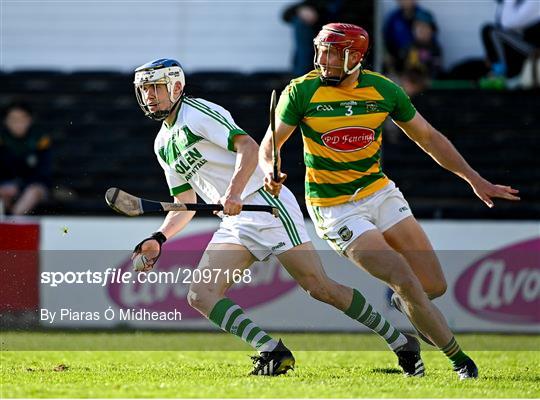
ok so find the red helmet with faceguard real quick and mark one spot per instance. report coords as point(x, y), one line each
point(346, 39)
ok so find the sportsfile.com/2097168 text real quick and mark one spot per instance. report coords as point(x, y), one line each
point(114, 275)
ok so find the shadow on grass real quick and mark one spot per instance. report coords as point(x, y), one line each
point(386, 371)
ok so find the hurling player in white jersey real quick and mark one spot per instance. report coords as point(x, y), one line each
point(202, 151)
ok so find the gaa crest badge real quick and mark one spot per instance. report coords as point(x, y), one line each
point(345, 233)
point(372, 107)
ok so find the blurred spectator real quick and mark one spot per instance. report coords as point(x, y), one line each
point(25, 161)
point(358, 13)
point(513, 38)
point(424, 52)
point(307, 18)
point(399, 33)
point(414, 80)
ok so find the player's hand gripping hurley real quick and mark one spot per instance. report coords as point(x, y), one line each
point(132, 206)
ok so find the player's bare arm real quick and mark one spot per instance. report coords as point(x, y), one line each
point(246, 162)
point(174, 222)
point(446, 155)
point(283, 132)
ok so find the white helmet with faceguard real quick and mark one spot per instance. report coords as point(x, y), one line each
point(163, 71)
point(345, 39)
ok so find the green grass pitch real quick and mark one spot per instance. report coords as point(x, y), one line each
point(510, 369)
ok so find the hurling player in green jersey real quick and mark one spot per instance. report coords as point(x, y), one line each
point(339, 108)
point(202, 151)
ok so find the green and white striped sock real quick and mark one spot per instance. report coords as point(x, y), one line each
point(363, 312)
point(453, 351)
point(231, 318)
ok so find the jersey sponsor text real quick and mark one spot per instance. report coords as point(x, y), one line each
point(349, 139)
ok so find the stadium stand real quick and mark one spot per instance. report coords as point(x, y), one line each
point(102, 139)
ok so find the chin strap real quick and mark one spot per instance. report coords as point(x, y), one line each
point(162, 114)
point(346, 62)
point(337, 81)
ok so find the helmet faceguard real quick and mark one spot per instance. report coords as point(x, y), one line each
point(345, 39)
point(159, 72)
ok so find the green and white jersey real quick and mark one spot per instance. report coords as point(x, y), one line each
point(197, 151)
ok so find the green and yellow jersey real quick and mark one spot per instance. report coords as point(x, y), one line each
point(342, 133)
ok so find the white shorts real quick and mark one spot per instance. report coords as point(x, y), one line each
point(262, 233)
point(341, 224)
